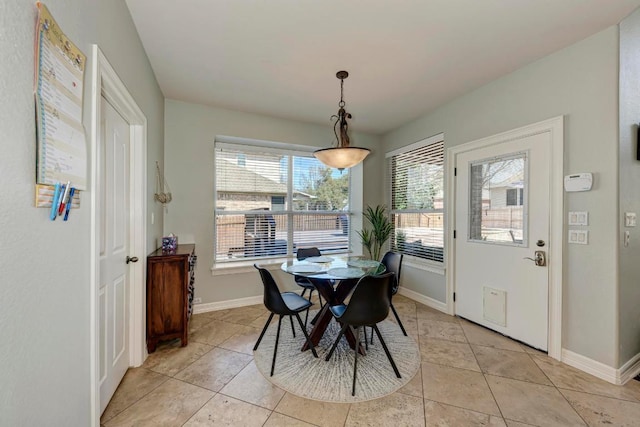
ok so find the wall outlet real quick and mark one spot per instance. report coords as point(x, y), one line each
point(629, 219)
point(197, 300)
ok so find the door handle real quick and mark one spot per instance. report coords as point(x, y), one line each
point(540, 258)
point(132, 259)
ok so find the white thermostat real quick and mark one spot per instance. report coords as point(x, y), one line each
point(578, 182)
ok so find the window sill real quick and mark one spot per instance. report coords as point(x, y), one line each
point(246, 266)
point(420, 264)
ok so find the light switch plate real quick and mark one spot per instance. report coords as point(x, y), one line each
point(578, 218)
point(579, 237)
point(629, 219)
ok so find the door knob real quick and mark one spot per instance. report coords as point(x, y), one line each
point(132, 259)
point(540, 258)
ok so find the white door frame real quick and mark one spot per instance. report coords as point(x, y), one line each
point(105, 82)
point(555, 127)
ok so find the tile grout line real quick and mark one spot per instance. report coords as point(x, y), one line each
point(424, 408)
point(484, 376)
point(199, 409)
point(167, 378)
point(241, 400)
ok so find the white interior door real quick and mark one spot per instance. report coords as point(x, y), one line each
point(113, 287)
point(501, 219)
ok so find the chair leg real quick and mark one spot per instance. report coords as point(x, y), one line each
point(315, 318)
point(306, 317)
point(293, 330)
point(306, 335)
point(335, 343)
point(266, 325)
point(275, 349)
point(355, 361)
point(398, 319)
point(319, 298)
point(304, 291)
point(386, 350)
point(366, 342)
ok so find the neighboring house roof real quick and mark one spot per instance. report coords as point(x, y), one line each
point(236, 179)
point(232, 178)
point(514, 181)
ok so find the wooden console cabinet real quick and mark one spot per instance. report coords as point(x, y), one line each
point(170, 279)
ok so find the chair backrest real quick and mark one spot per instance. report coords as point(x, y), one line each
point(369, 303)
point(272, 297)
point(393, 263)
point(304, 253)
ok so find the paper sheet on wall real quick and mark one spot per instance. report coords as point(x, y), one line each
point(59, 76)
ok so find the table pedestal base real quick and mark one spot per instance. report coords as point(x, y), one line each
point(323, 318)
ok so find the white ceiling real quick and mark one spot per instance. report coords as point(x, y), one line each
point(404, 57)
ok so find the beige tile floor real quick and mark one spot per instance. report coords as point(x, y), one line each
point(469, 376)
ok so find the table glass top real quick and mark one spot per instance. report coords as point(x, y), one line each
point(333, 267)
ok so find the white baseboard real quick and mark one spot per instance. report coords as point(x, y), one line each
point(223, 305)
point(232, 303)
point(629, 370)
point(590, 366)
point(429, 302)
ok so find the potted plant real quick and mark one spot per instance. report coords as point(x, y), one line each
point(381, 228)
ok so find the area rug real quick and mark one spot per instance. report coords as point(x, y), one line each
point(301, 374)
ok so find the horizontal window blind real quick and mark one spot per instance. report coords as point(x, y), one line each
point(271, 201)
point(416, 187)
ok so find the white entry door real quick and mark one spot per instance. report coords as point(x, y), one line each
point(113, 287)
point(501, 220)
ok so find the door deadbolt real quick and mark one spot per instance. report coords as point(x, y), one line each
point(540, 258)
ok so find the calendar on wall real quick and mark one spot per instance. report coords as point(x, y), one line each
point(58, 87)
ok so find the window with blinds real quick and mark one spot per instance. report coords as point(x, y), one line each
point(270, 201)
point(416, 186)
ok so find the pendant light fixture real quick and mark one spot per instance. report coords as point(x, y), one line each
point(342, 156)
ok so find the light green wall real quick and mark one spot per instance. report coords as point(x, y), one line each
point(581, 83)
point(118, 40)
point(44, 296)
point(629, 291)
point(189, 134)
point(44, 290)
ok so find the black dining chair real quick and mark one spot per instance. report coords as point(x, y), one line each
point(283, 304)
point(368, 306)
point(305, 283)
point(393, 263)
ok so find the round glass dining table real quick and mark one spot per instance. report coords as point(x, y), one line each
point(333, 267)
point(334, 277)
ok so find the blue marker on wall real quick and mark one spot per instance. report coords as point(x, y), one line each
point(54, 202)
point(68, 208)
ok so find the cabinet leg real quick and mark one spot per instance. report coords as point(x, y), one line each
point(151, 345)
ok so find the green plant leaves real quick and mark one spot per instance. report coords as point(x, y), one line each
point(381, 228)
